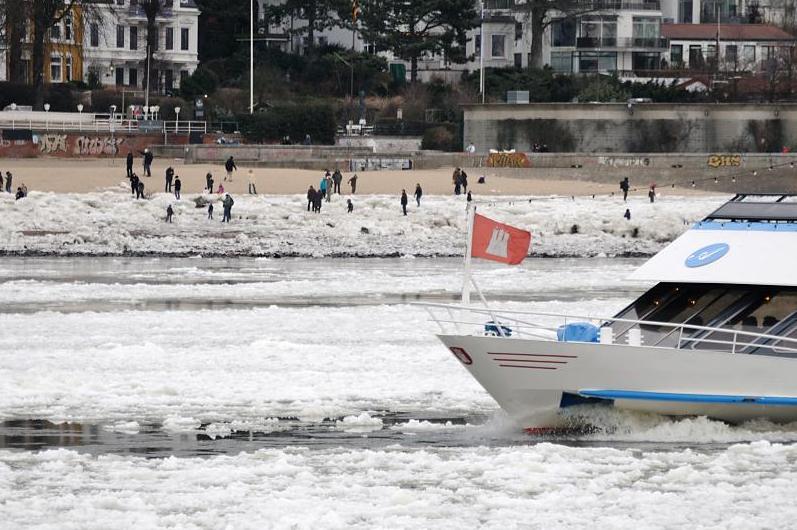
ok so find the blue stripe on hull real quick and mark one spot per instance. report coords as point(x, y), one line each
point(688, 398)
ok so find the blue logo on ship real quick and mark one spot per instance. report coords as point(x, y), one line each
point(707, 255)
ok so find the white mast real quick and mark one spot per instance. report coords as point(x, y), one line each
point(467, 279)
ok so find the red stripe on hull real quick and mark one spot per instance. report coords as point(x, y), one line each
point(531, 361)
point(524, 366)
point(536, 355)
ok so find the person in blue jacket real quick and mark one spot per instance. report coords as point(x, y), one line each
point(322, 186)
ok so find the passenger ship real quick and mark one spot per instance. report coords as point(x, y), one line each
point(715, 336)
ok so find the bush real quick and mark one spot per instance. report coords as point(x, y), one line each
point(59, 96)
point(294, 121)
point(202, 81)
point(440, 139)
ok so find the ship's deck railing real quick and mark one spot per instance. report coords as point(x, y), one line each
point(480, 321)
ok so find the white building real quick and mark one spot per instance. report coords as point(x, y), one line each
point(115, 49)
point(623, 36)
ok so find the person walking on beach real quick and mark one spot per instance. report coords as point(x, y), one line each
point(252, 183)
point(169, 178)
point(230, 166)
point(169, 213)
point(209, 182)
point(469, 198)
point(404, 201)
point(310, 198)
point(456, 178)
point(9, 177)
point(210, 210)
point(177, 187)
point(337, 178)
point(20, 194)
point(148, 157)
point(140, 190)
point(418, 194)
point(318, 201)
point(463, 179)
point(322, 187)
point(652, 193)
point(353, 184)
point(349, 206)
point(220, 191)
point(227, 204)
point(625, 186)
point(133, 184)
point(1, 181)
point(627, 214)
point(129, 164)
point(328, 179)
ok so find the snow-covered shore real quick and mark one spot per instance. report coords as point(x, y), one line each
point(112, 223)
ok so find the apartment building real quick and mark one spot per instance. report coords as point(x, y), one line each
point(115, 47)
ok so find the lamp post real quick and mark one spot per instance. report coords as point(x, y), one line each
point(80, 120)
point(177, 123)
point(146, 112)
point(46, 119)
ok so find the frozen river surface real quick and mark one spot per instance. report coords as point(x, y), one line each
point(257, 393)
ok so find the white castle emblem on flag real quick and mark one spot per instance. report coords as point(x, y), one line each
point(499, 243)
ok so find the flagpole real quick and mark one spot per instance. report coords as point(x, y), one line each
point(481, 56)
point(466, 283)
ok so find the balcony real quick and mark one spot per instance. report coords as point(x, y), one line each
point(136, 11)
point(622, 43)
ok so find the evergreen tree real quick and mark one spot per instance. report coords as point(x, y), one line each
point(413, 28)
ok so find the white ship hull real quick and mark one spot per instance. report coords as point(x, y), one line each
point(533, 379)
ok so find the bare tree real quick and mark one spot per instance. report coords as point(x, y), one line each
point(541, 13)
point(152, 9)
point(13, 14)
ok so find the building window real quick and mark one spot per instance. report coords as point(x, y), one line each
point(684, 11)
point(68, 69)
point(133, 77)
point(597, 31)
point(133, 38)
point(169, 38)
point(646, 31)
point(55, 69)
point(563, 32)
point(676, 54)
point(478, 44)
point(94, 35)
point(749, 55)
point(696, 56)
point(518, 60)
point(641, 61)
point(184, 39)
point(120, 76)
point(597, 62)
point(120, 36)
point(498, 48)
point(731, 56)
point(55, 32)
point(169, 80)
point(68, 28)
point(562, 62)
point(183, 76)
point(518, 31)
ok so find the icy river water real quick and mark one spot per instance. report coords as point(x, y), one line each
point(310, 393)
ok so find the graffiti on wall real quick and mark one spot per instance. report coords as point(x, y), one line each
point(52, 143)
point(508, 160)
point(715, 161)
point(624, 161)
point(105, 145)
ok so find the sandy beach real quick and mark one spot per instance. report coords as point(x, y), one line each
point(83, 176)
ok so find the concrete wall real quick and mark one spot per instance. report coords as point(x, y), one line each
point(80, 145)
point(643, 128)
point(382, 144)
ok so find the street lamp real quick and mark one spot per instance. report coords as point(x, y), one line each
point(155, 111)
point(46, 111)
point(146, 112)
point(46, 107)
point(177, 123)
point(80, 120)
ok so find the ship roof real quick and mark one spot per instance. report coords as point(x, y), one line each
point(751, 239)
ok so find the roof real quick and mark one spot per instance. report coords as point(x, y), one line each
point(739, 32)
point(749, 240)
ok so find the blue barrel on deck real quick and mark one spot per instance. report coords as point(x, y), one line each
point(577, 332)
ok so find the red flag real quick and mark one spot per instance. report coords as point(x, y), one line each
point(499, 242)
